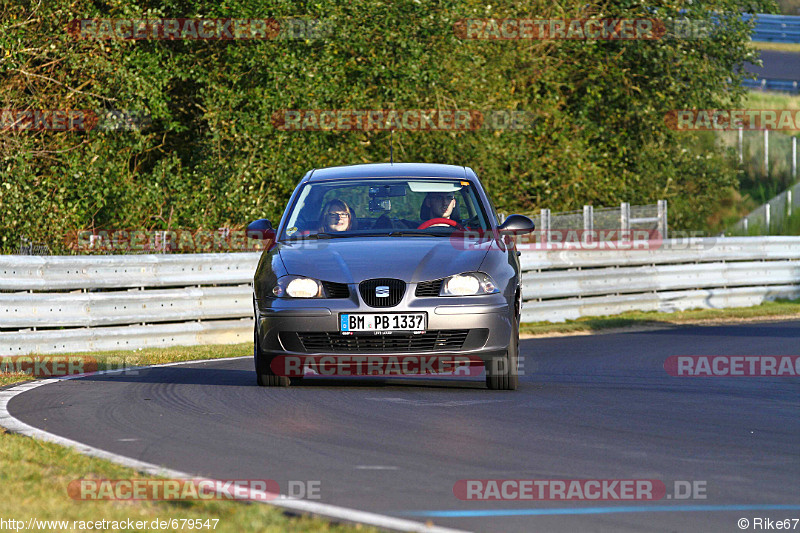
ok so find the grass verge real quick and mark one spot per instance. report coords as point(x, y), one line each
point(777, 47)
point(35, 475)
point(772, 100)
point(640, 319)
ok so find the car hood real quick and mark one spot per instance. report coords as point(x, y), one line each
point(352, 260)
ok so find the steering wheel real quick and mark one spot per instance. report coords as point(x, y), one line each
point(440, 222)
point(472, 222)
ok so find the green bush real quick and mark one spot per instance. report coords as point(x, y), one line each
point(211, 157)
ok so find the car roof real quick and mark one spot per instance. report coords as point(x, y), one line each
point(389, 170)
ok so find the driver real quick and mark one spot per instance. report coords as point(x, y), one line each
point(437, 205)
point(336, 216)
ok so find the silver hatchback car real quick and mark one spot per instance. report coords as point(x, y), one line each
point(388, 261)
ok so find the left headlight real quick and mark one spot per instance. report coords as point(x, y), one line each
point(468, 284)
point(298, 287)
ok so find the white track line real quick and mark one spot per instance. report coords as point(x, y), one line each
point(303, 506)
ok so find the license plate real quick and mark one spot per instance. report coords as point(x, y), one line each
point(383, 322)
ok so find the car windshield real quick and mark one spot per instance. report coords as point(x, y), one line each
point(384, 207)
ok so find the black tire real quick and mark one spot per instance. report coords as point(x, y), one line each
point(264, 375)
point(502, 372)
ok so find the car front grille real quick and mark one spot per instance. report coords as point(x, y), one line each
point(427, 289)
point(336, 290)
point(397, 289)
point(335, 342)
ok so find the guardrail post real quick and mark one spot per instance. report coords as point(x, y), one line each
point(662, 218)
point(766, 153)
point(588, 224)
point(766, 216)
point(741, 146)
point(588, 218)
point(794, 157)
point(624, 216)
point(789, 203)
point(746, 224)
point(544, 220)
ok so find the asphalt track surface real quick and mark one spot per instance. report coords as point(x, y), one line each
point(588, 407)
point(777, 65)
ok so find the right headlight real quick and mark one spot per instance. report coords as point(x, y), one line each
point(468, 284)
point(298, 287)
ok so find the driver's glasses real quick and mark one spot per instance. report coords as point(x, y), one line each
point(338, 216)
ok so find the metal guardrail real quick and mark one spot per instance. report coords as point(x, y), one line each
point(63, 304)
point(666, 302)
point(655, 278)
point(49, 273)
point(764, 84)
point(776, 28)
point(673, 251)
point(57, 304)
point(26, 310)
point(679, 274)
point(126, 337)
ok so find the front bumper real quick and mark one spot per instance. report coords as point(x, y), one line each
point(487, 321)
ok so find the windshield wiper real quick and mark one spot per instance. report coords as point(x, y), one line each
point(342, 235)
point(397, 233)
point(412, 233)
point(348, 235)
point(309, 237)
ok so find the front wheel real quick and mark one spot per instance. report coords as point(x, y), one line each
point(264, 375)
point(502, 372)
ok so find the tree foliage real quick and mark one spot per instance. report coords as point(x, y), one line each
point(211, 156)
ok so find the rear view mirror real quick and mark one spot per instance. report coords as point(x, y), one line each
point(379, 196)
point(385, 191)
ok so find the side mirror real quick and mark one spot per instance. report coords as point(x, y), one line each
point(516, 225)
point(260, 229)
